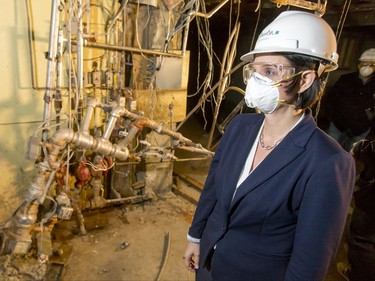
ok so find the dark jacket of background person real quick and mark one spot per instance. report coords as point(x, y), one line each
point(345, 104)
point(361, 239)
point(286, 219)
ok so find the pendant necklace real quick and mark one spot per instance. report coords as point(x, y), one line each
point(268, 147)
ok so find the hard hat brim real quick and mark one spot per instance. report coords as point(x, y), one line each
point(330, 65)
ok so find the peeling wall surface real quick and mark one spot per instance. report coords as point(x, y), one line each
point(21, 106)
point(30, 74)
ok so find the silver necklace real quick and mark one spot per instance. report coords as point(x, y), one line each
point(268, 147)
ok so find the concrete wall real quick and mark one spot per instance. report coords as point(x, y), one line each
point(21, 106)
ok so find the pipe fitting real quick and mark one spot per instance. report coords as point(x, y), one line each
point(38, 185)
point(82, 140)
point(116, 113)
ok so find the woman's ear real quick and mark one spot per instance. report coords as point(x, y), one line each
point(307, 78)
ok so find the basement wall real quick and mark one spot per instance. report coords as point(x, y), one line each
point(21, 106)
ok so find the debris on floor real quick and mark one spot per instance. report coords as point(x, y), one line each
point(129, 242)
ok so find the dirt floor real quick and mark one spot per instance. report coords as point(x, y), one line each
point(138, 242)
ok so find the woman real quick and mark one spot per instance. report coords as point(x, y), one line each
point(276, 197)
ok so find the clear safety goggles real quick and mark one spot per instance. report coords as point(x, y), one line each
point(273, 71)
point(363, 64)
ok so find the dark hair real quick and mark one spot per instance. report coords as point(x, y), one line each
point(312, 94)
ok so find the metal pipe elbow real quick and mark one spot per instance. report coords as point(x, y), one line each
point(118, 111)
point(141, 123)
point(92, 102)
point(62, 137)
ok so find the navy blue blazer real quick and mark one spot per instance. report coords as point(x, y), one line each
point(286, 219)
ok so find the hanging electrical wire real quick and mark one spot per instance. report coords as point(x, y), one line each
point(342, 19)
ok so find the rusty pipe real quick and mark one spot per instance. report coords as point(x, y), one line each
point(158, 127)
point(141, 121)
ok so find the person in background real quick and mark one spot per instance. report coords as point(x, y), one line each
point(361, 230)
point(350, 104)
point(277, 194)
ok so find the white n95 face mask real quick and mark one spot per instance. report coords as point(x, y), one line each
point(261, 93)
point(366, 71)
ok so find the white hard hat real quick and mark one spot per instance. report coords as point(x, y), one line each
point(302, 33)
point(368, 55)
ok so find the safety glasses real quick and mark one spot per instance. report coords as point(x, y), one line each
point(362, 64)
point(273, 71)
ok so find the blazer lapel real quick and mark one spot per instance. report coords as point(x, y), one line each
point(237, 160)
point(290, 148)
